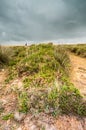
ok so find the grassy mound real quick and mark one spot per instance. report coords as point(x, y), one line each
point(39, 63)
point(44, 70)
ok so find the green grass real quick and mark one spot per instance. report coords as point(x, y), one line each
point(23, 102)
point(39, 63)
point(8, 116)
point(52, 100)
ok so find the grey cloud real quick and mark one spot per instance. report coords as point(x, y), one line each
point(42, 19)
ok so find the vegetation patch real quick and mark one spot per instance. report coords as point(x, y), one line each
point(8, 116)
point(5, 56)
point(39, 63)
point(69, 99)
point(23, 102)
point(44, 70)
point(79, 49)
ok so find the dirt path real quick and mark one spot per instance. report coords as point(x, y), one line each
point(3, 75)
point(78, 73)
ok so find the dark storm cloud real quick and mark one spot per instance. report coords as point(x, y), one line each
point(42, 19)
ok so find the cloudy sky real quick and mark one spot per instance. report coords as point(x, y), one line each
point(42, 20)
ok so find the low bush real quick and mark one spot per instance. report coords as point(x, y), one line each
point(5, 55)
point(62, 57)
point(70, 101)
point(79, 49)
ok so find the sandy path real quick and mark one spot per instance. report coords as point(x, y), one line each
point(2, 76)
point(78, 73)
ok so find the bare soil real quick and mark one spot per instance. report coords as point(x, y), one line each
point(78, 73)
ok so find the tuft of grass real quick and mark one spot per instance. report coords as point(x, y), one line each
point(23, 102)
point(53, 98)
point(8, 116)
point(62, 57)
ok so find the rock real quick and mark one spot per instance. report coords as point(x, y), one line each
point(3, 70)
point(19, 128)
point(3, 101)
point(31, 126)
point(50, 127)
point(6, 128)
point(19, 116)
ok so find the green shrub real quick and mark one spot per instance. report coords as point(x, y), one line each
point(70, 101)
point(5, 55)
point(81, 110)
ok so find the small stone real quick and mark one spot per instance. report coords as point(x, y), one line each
point(19, 128)
point(19, 116)
point(50, 127)
point(2, 70)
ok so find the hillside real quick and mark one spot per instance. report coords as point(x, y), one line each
point(40, 88)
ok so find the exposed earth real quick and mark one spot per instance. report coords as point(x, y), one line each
point(78, 73)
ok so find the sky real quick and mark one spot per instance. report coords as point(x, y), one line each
point(42, 20)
